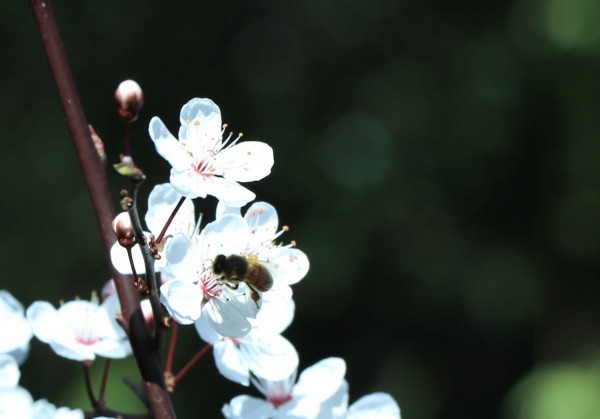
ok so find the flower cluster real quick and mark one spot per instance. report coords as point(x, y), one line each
point(15, 401)
point(231, 278)
point(204, 162)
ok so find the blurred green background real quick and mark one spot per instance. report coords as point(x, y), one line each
point(437, 161)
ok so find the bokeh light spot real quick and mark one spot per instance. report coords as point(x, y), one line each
point(558, 391)
point(356, 151)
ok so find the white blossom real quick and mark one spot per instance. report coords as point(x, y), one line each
point(320, 393)
point(286, 263)
point(192, 289)
point(15, 332)
point(80, 330)
point(203, 162)
point(263, 352)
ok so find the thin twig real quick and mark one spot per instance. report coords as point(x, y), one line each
point(148, 262)
point(173, 342)
point(101, 395)
point(192, 362)
point(171, 217)
point(88, 384)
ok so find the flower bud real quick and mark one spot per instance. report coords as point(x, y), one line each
point(124, 230)
point(130, 98)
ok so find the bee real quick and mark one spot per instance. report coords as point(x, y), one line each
point(234, 269)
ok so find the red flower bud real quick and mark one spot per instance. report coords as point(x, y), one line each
point(124, 230)
point(130, 98)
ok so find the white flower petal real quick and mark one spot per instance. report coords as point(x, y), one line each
point(10, 305)
point(182, 299)
point(337, 405)
point(228, 191)
point(120, 259)
point(269, 356)
point(43, 409)
point(106, 324)
point(223, 209)
point(168, 146)
point(226, 318)
point(374, 406)
point(299, 408)
point(245, 162)
point(263, 222)
point(246, 407)
point(226, 235)
point(9, 372)
point(113, 349)
point(206, 332)
point(14, 327)
point(287, 264)
point(69, 348)
point(43, 319)
point(322, 380)
point(275, 314)
point(181, 261)
point(229, 362)
point(15, 403)
point(193, 185)
point(161, 203)
point(200, 120)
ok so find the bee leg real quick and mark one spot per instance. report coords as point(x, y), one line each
point(255, 296)
point(232, 286)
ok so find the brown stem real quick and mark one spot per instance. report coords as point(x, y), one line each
point(171, 217)
point(151, 282)
point(95, 178)
point(88, 384)
point(192, 362)
point(173, 342)
point(101, 395)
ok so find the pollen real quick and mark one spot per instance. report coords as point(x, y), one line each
point(285, 228)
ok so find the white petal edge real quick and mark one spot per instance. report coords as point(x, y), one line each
point(246, 407)
point(168, 146)
point(375, 405)
point(182, 299)
point(322, 379)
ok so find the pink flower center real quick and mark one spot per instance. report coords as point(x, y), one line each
point(85, 327)
point(279, 399)
point(203, 168)
point(210, 285)
point(87, 339)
